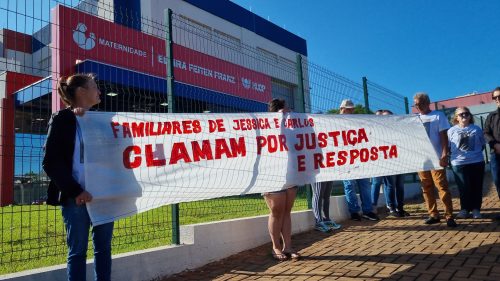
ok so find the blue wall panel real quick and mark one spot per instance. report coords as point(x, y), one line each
point(128, 13)
point(240, 16)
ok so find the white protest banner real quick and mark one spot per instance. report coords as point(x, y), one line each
point(137, 161)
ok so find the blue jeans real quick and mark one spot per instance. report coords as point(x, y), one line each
point(77, 222)
point(364, 193)
point(394, 192)
point(376, 182)
point(495, 170)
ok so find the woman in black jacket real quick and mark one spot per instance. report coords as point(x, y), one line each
point(64, 164)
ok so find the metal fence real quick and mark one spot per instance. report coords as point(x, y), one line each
point(32, 233)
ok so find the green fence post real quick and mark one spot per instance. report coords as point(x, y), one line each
point(171, 109)
point(300, 100)
point(365, 91)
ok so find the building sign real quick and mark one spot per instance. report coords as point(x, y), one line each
point(205, 71)
point(81, 36)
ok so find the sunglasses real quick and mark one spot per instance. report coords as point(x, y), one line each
point(464, 114)
point(495, 97)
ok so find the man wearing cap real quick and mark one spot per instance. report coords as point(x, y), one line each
point(436, 125)
point(347, 107)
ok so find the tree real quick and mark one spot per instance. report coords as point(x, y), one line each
point(30, 174)
point(358, 109)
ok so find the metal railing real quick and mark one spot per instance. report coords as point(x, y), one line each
point(32, 233)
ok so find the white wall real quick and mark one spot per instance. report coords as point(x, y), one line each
point(3, 93)
point(281, 69)
point(1, 43)
point(482, 109)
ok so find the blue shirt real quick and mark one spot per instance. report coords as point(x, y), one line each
point(466, 144)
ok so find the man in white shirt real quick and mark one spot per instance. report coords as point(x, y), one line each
point(436, 125)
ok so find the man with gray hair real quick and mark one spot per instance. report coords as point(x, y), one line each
point(436, 125)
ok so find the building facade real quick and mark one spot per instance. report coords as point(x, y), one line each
point(225, 59)
point(480, 105)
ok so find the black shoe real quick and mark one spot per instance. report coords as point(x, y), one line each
point(371, 216)
point(451, 223)
point(432, 220)
point(403, 213)
point(393, 213)
point(497, 217)
point(355, 217)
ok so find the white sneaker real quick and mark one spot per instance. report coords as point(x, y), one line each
point(476, 214)
point(463, 214)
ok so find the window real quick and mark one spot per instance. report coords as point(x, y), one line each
point(284, 90)
point(193, 27)
point(267, 56)
point(227, 40)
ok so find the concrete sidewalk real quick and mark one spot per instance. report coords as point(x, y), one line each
point(391, 249)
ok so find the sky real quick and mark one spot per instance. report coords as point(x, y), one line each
point(446, 48)
point(28, 16)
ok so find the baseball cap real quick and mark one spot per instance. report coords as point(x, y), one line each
point(347, 103)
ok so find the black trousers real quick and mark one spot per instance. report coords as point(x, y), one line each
point(469, 179)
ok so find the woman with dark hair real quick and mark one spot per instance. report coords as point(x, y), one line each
point(467, 143)
point(280, 204)
point(64, 164)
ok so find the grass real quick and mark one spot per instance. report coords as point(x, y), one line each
point(33, 236)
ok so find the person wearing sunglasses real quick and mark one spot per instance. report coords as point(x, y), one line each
point(467, 142)
point(492, 136)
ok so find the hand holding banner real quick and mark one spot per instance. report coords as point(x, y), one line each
point(136, 162)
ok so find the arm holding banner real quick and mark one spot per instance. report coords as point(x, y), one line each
point(56, 163)
point(443, 160)
point(64, 163)
point(140, 162)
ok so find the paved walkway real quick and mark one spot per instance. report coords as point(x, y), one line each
point(391, 249)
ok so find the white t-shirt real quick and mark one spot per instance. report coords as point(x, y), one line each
point(434, 123)
point(466, 144)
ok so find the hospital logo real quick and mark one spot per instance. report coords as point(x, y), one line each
point(247, 83)
point(81, 39)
